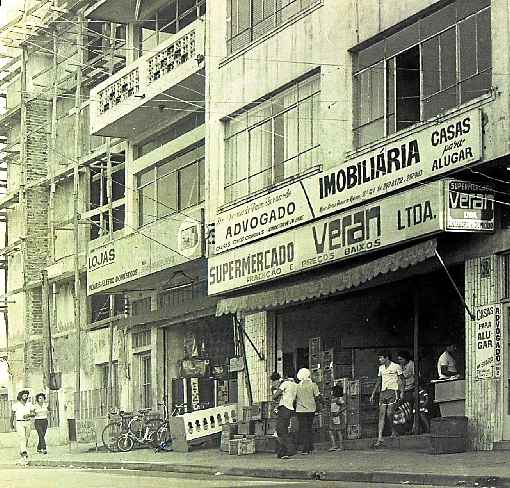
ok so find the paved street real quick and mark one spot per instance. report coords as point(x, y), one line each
point(19, 477)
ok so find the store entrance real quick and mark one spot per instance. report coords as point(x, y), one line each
point(339, 339)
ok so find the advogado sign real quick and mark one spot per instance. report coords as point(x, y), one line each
point(488, 341)
point(398, 218)
point(419, 156)
point(160, 245)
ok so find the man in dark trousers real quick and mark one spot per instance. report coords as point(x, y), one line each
point(285, 395)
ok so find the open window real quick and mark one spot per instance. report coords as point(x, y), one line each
point(426, 68)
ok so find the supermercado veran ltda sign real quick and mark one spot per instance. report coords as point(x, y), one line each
point(160, 245)
point(488, 323)
point(414, 213)
point(417, 157)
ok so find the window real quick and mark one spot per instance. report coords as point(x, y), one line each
point(141, 339)
point(103, 371)
point(98, 40)
point(168, 20)
point(103, 306)
point(247, 20)
point(145, 380)
point(272, 141)
point(433, 65)
point(107, 189)
point(175, 184)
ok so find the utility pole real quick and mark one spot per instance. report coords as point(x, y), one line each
point(76, 213)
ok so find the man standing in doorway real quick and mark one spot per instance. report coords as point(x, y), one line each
point(446, 364)
point(390, 384)
point(286, 396)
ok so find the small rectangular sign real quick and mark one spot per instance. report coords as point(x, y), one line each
point(470, 207)
point(488, 341)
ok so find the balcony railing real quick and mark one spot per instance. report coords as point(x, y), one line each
point(115, 100)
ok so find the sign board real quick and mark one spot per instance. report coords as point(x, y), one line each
point(417, 157)
point(398, 218)
point(470, 207)
point(488, 323)
point(165, 243)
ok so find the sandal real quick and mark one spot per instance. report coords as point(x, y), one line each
point(331, 449)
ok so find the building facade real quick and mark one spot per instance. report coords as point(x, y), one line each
point(182, 176)
point(334, 181)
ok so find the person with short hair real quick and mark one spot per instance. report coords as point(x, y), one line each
point(337, 421)
point(285, 395)
point(41, 421)
point(390, 386)
point(408, 374)
point(21, 421)
point(446, 364)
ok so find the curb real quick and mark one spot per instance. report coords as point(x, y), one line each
point(380, 477)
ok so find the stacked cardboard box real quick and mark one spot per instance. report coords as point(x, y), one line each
point(227, 434)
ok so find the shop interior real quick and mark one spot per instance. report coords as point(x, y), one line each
point(196, 372)
point(353, 329)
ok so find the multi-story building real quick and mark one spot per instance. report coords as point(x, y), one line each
point(107, 291)
point(357, 160)
point(183, 178)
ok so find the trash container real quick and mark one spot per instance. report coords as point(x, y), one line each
point(448, 435)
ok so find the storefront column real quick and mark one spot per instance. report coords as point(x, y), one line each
point(260, 329)
point(484, 400)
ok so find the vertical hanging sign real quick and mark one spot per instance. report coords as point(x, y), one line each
point(488, 341)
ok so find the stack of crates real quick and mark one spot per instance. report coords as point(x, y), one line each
point(369, 413)
point(353, 404)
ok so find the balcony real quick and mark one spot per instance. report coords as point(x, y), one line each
point(153, 90)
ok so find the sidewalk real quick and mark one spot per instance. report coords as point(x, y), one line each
point(381, 466)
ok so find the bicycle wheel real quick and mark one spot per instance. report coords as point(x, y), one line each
point(125, 443)
point(110, 435)
point(162, 440)
point(150, 429)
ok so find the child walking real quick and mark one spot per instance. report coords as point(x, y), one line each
point(336, 425)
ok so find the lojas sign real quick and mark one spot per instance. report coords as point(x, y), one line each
point(160, 245)
point(420, 156)
point(488, 323)
point(398, 218)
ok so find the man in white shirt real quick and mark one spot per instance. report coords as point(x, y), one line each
point(446, 364)
point(285, 395)
point(390, 384)
point(21, 421)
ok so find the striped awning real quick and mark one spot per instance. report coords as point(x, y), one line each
point(328, 283)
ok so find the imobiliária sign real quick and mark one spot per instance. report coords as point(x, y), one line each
point(420, 156)
point(402, 217)
point(488, 340)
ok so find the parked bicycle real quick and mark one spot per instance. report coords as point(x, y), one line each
point(141, 429)
point(163, 438)
point(117, 425)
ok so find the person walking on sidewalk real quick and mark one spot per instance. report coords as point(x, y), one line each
point(307, 401)
point(390, 384)
point(41, 421)
point(286, 396)
point(21, 422)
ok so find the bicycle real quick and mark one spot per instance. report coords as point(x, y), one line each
point(114, 429)
point(141, 430)
point(163, 438)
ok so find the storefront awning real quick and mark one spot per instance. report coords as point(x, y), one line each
point(328, 283)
